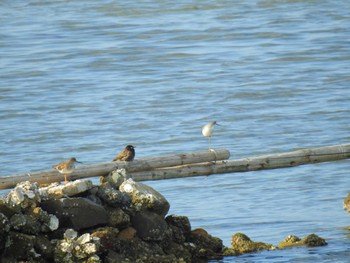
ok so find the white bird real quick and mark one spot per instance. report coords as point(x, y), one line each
point(207, 131)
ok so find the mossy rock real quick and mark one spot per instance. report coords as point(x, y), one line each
point(241, 244)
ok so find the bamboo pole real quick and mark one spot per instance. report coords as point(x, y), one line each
point(46, 177)
point(273, 161)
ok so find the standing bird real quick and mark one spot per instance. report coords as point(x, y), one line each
point(128, 154)
point(66, 167)
point(207, 131)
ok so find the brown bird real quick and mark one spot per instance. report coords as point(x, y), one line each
point(128, 154)
point(66, 167)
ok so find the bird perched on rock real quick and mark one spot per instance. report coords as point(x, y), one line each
point(66, 167)
point(207, 131)
point(128, 154)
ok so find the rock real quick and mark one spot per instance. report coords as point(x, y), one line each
point(115, 178)
point(138, 250)
point(181, 253)
point(77, 213)
point(346, 203)
point(127, 233)
point(180, 227)
point(25, 194)
point(44, 247)
point(314, 241)
point(243, 244)
point(75, 248)
point(290, 241)
point(114, 197)
point(310, 240)
point(117, 217)
point(5, 210)
point(19, 247)
point(108, 237)
point(56, 191)
point(25, 224)
point(205, 245)
point(4, 229)
point(47, 221)
point(149, 226)
point(145, 197)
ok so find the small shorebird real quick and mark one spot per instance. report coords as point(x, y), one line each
point(128, 154)
point(207, 131)
point(66, 167)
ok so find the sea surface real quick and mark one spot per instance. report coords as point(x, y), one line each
point(86, 78)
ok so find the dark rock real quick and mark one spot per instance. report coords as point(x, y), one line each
point(179, 251)
point(47, 222)
point(137, 249)
point(117, 217)
point(114, 197)
point(205, 245)
point(25, 224)
point(114, 257)
point(43, 246)
point(108, 237)
point(19, 246)
point(4, 229)
point(77, 213)
point(180, 227)
point(4, 209)
point(149, 226)
point(144, 197)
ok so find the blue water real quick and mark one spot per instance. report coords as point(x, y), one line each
point(85, 78)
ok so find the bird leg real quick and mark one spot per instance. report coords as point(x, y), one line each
point(65, 179)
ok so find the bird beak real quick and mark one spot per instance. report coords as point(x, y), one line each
point(78, 162)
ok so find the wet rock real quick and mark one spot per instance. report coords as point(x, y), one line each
point(314, 241)
point(19, 247)
point(108, 237)
point(115, 178)
point(74, 248)
point(180, 227)
point(138, 250)
point(243, 244)
point(149, 226)
point(346, 203)
point(205, 245)
point(117, 217)
point(181, 253)
point(77, 213)
point(294, 241)
point(4, 229)
point(5, 210)
point(25, 194)
point(44, 247)
point(145, 197)
point(127, 233)
point(56, 191)
point(47, 221)
point(113, 197)
point(25, 224)
point(290, 241)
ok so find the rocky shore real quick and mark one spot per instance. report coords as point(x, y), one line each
point(118, 221)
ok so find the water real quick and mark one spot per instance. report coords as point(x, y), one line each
point(86, 78)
